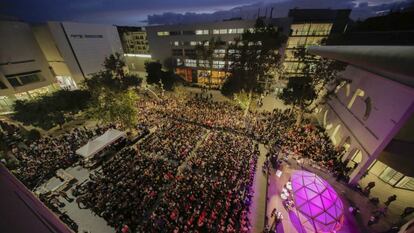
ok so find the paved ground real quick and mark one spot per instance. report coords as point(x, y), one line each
point(258, 206)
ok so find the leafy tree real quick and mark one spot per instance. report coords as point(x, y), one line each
point(112, 77)
point(206, 51)
point(254, 58)
point(166, 79)
point(315, 83)
point(50, 110)
point(119, 107)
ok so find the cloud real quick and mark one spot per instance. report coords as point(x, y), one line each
point(131, 12)
point(360, 10)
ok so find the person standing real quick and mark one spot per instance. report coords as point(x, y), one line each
point(390, 199)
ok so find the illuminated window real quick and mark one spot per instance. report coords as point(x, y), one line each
point(203, 63)
point(216, 31)
point(176, 43)
point(179, 62)
point(219, 53)
point(240, 30)
point(406, 183)
point(190, 63)
point(232, 30)
point(193, 43)
point(218, 64)
point(223, 31)
point(164, 33)
point(201, 32)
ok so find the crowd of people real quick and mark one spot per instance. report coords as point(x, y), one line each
point(192, 173)
point(40, 159)
point(214, 192)
point(126, 187)
point(174, 140)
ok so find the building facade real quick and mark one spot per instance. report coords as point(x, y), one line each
point(39, 59)
point(311, 27)
point(77, 50)
point(136, 48)
point(176, 44)
point(24, 71)
point(372, 117)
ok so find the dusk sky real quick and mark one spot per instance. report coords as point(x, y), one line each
point(133, 12)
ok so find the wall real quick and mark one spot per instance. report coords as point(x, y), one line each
point(392, 103)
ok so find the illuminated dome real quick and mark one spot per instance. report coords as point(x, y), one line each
point(318, 206)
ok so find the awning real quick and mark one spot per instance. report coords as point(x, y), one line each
point(99, 143)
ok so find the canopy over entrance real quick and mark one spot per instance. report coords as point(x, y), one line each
point(318, 206)
point(99, 143)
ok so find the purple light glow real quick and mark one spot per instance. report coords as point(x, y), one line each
point(317, 203)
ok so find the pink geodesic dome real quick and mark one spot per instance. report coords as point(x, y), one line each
point(318, 206)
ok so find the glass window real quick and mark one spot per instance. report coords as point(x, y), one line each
point(190, 62)
point(193, 43)
point(240, 30)
point(218, 64)
point(176, 43)
point(223, 31)
point(163, 33)
point(377, 168)
point(201, 32)
point(232, 30)
point(216, 31)
point(14, 81)
point(390, 176)
point(406, 183)
point(179, 62)
point(203, 63)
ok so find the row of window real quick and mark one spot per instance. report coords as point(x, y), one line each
point(207, 43)
point(222, 31)
point(311, 29)
point(391, 176)
point(80, 36)
point(217, 64)
point(217, 53)
point(17, 81)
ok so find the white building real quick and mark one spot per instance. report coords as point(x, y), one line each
point(24, 71)
point(77, 50)
point(373, 116)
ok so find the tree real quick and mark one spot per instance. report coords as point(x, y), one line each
point(113, 97)
point(112, 77)
point(118, 107)
point(156, 76)
point(206, 51)
point(315, 83)
point(50, 110)
point(254, 58)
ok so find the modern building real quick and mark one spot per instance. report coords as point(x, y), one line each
point(76, 50)
point(372, 117)
point(175, 44)
point(24, 71)
point(311, 27)
point(42, 58)
point(136, 49)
